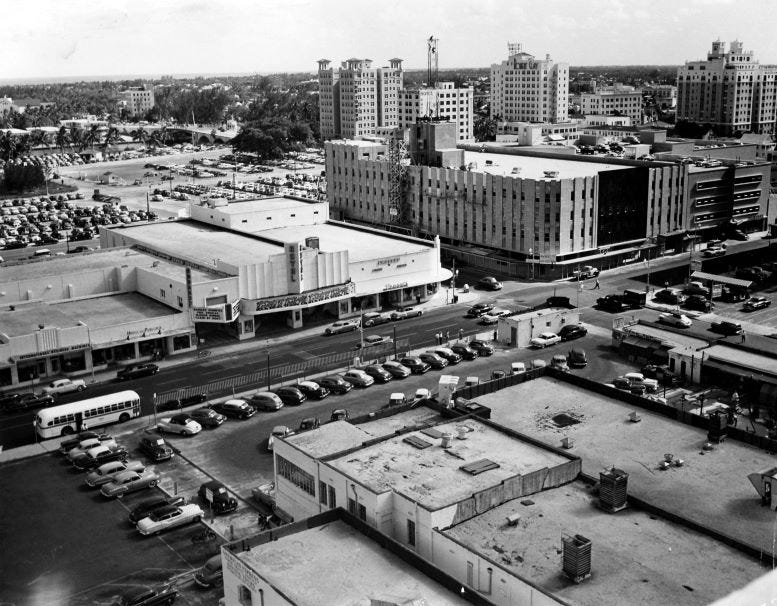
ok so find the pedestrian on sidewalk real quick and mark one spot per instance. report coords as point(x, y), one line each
point(447, 336)
point(596, 286)
point(461, 334)
point(743, 336)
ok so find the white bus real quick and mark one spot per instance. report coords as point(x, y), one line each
point(66, 419)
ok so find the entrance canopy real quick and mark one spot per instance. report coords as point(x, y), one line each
point(700, 275)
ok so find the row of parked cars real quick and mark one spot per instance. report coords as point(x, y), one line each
point(372, 318)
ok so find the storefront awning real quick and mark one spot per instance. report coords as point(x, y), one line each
point(445, 274)
point(638, 343)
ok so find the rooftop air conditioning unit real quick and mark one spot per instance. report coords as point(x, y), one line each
point(613, 489)
point(577, 557)
point(312, 242)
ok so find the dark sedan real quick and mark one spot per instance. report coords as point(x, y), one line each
point(29, 400)
point(179, 403)
point(481, 347)
point(434, 360)
point(479, 309)
point(464, 351)
point(313, 390)
point(416, 365)
point(377, 372)
point(238, 409)
point(207, 417)
point(291, 396)
point(217, 497)
point(336, 384)
point(136, 371)
point(572, 331)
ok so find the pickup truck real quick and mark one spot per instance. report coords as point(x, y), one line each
point(61, 386)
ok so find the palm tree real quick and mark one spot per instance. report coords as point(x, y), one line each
point(62, 138)
point(140, 135)
point(7, 146)
point(92, 136)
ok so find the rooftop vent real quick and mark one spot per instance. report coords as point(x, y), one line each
point(478, 467)
point(550, 174)
point(312, 242)
point(613, 489)
point(577, 557)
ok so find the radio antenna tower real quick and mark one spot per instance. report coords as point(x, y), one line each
point(431, 52)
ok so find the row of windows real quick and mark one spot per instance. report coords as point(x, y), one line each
point(299, 477)
point(94, 412)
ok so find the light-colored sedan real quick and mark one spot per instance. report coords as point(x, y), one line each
point(545, 339)
point(86, 445)
point(675, 318)
point(279, 431)
point(61, 386)
point(358, 378)
point(168, 517)
point(182, 424)
point(129, 481)
point(107, 472)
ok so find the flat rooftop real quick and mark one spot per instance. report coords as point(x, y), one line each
point(201, 243)
point(711, 488)
point(407, 418)
point(100, 259)
point(432, 476)
point(239, 207)
point(666, 336)
point(743, 358)
point(633, 553)
point(362, 245)
point(98, 312)
point(533, 167)
point(329, 439)
point(336, 565)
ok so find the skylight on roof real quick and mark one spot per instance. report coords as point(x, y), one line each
point(477, 467)
point(417, 442)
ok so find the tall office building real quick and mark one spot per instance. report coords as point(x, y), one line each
point(730, 90)
point(138, 99)
point(440, 101)
point(358, 99)
point(525, 89)
point(616, 100)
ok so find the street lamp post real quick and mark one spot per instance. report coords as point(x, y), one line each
point(268, 370)
point(395, 341)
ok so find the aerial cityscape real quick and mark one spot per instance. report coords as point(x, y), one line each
point(407, 304)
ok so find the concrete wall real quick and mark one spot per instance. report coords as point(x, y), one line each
point(237, 574)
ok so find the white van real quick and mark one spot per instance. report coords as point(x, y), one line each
point(41, 252)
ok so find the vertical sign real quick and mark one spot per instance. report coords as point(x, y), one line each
point(189, 301)
point(294, 265)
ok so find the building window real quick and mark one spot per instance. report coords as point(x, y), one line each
point(299, 477)
point(322, 493)
point(357, 509)
point(180, 302)
point(162, 293)
point(411, 533)
point(244, 595)
point(332, 497)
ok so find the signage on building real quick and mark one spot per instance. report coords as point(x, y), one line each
point(388, 261)
point(395, 286)
point(241, 571)
point(50, 352)
point(294, 260)
point(209, 314)
point(306, 298)
point(135, 334)
point(189, 299)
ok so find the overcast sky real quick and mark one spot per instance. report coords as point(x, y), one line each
point(45, 38)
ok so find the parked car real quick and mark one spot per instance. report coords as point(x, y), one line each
point(86, 445)
point(448, 354)
point(754, 303)
point(216, 497)
point(662, 374)
point(279, 431)
point(181, 424)
point(62, 386)
point(377, 372)
point(545, 339)
point(754, 274)
point(309, 423)
point(675, 318)
point(235, 408)
point(71, 443)
point(358, 378)
point(267, 401)
point(341, 326)
point(517, 368)
point(489, 283)
point(371, 340)
point(635, 299)
point(585, 272)
point(291, 396)
point(576, 358)
point(147, 507)
point(622, 383)
point(336, 384)
point(695, 288)
point(107, 472)
point(670, 296)
point(197, 398)
point(432, 359)
point(479, 309)
point(265, 494)
point(612, 303)
point(340, 414)
point(135, 371)
point(572, 331)
point(207, 417)
point(313, 390)
point(698, 303)
point(168, 517)
point(98, 455)
point(211, 573)
point(155, 448)
point(493, 316)
point(559, 362)
point(402, 313)
point(397, 370)
point(466, 352)
point(374, 319)
point(713, 251)
point(416, 365)
point(558, 301)
point(483, 348)
point(147, 596)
